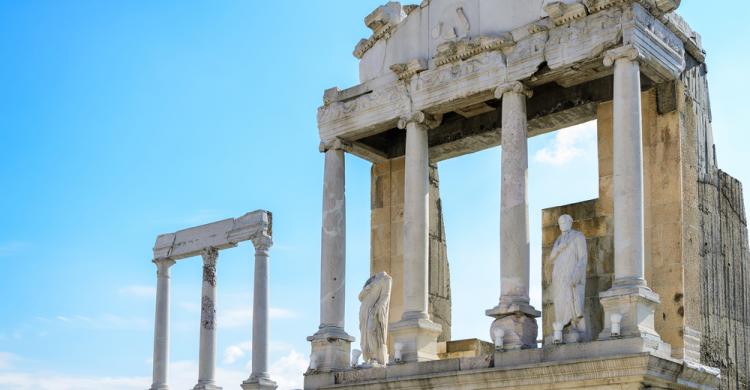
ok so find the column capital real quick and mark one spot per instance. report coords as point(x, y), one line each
point(210, 255)
point(513, 87)
point(162, 266)
point(420, 117)
point(262, 242)
point(336, 144)
point(629, 52)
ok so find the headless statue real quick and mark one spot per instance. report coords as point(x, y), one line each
point(373, 318)
point(569, 258)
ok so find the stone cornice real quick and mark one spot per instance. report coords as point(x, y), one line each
point(408, 70)
point(453, 51)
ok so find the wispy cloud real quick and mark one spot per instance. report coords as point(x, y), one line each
point(7, 360)
point(138, 291)
point(105, 321)
point(569, 144)
point(11, 248)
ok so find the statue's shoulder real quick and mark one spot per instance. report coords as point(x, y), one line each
point(578, 235)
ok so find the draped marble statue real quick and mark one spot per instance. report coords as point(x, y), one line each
point(373, 318)
point(569, 257)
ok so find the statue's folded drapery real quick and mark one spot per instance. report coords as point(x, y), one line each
point(570, 258)
point(373, 318)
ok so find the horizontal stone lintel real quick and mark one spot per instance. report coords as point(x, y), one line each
point(222, 234)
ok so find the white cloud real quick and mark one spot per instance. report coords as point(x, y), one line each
point(138, 291)
point(569, 144)
point(288, 371)
point(235, 352)
point(7, 360)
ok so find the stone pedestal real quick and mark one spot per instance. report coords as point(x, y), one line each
point(331, 350)
point(634, 307)
point(418, 339)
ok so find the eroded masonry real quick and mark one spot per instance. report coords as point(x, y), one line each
point(644, 287)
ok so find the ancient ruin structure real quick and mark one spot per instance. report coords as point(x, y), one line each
point(206, 241)
point(666, 295)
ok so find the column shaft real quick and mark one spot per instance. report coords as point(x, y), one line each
point(259, 378)
point(333, 242)
point(628, 173)
point(416, 223)
point(331, 344)
point(514, 206)
point(260, 314)
point(161, 326)
point(513, 314)
point(207, 357)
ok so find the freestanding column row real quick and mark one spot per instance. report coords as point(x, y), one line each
point(416, 333)
point(207, 353)
point(514, 312)
point(259, 378)
point(161, 327)
point(331, 344)
point(629, 302)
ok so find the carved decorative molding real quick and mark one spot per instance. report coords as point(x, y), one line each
point(422, 118)
point(408, 70)
point(453, 51)
point(262, 242)
point(563, 13)
point(628, 52)
point(513, 87)
point(336, 144)
point(381, 22)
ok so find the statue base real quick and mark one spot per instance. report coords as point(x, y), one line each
point(518, 322)
point(331, 350)
point(418, 339)
point(631, 309)
point(259, 383)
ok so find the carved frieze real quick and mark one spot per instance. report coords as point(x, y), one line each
point(453, 51)
point(562, 13)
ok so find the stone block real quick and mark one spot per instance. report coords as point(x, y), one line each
point(418, 338)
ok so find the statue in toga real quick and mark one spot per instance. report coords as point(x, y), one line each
point(569, 260)
point(373, 318)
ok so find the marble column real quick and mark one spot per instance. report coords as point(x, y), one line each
point(259, 378)
point(514, 314)
point(331, 345)
point(416, 333)
point(161, 327)
point(207, 357)
point(629, 298)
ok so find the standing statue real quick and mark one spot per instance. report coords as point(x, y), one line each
point(570, 259)
point(373, 318)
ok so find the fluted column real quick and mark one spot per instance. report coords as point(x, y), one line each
point(331, 344)
point(207, 358)
point(416, 333)
point(514, 311)
point(629, 300)
point(259, 378)
point(161, 326)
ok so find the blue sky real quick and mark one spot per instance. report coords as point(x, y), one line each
point(123, 120)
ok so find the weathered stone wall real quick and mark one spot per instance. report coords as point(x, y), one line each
point(387, 223)
point(722, 243)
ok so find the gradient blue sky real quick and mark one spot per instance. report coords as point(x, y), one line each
point(120, 120)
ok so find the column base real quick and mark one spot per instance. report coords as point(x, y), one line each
point(634, 306)
point(331, 350)
point(517, 319)
point(418, 338)
point(159, 387)
point(206, 386)
point(259, 383)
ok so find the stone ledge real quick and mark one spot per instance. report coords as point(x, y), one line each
point(607, 363)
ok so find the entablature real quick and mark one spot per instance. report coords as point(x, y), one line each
point(565, 49)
